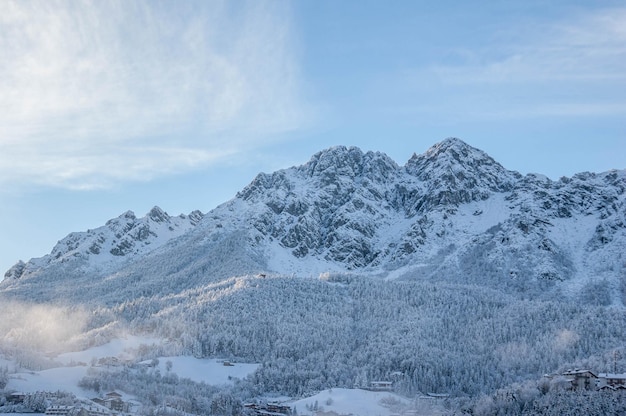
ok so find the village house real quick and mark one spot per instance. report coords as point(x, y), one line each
point(268, 409)
point(60, 410)
point(113, 401)
point(96, 411)
point(16, 397)
point(381, 386)
point(581, 379)
point(588, 380)
point(608, 381)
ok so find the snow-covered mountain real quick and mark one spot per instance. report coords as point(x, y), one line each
point(112, 244)
point(450, 274)
point(452, 213)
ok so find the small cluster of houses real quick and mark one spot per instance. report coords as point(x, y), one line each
point(111, 405)
point(63, 410)
point(380, 386)
point(114, 402)
point(268, 409)
point(578, 379)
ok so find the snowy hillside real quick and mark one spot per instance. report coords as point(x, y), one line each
point(452, 213)
point(450, 274)
point(106, 247)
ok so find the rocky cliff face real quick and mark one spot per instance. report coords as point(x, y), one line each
point(343, 202)
point(327, 207)
point(454, 173)
point(452, 213)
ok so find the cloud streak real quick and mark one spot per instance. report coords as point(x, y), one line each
point(588, 48)
point(92, 93)
point(572, 68)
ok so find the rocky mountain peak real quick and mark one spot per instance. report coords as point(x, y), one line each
point(16, 271)
point(453, 155)
point(345, 166)
point(453, 144)
point(194, 217)
point(156, 214)
point(336, 169)
point(123, 236)
point(455, 172)
point(337, 159)
point(127, 217)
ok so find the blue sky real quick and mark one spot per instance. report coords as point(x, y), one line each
point(107, 106)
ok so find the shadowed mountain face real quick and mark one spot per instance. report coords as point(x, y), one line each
point(451, 214)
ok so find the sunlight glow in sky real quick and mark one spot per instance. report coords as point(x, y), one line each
point(107, 106)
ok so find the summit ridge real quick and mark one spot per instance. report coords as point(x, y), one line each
point(452, 213)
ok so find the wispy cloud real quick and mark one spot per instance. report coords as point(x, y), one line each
point(586, 48)
point(573, 67)
point(96, 92)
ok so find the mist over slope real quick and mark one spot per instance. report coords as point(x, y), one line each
point(450, 273)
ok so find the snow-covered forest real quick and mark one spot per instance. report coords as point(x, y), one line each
point(313, 334)
point(450, 276)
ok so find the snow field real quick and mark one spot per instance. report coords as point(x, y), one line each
point(76, 365)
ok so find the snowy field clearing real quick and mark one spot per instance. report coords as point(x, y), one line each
point(54, 379)
point(123, 348)
point(66, 378)
point(364, 403)
point(209, 371)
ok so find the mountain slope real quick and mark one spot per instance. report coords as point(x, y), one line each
point(450, 274)
point(109, 246)
point(452, 213)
